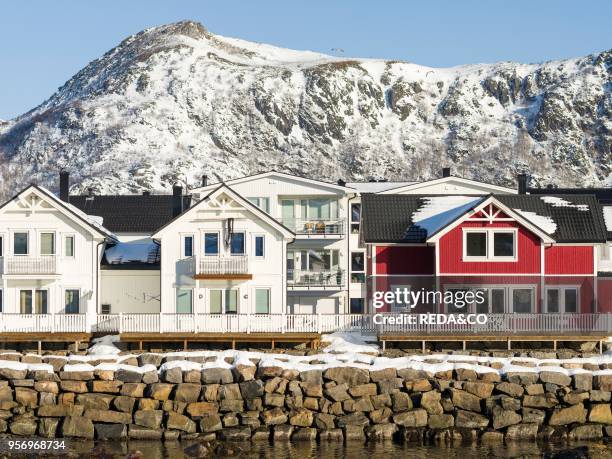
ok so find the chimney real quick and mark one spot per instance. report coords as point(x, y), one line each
point(522, 181)
point(177, 200)
point(205, 180)
point(446, 172)
point(341, 182)
point(146, 193)
point(90, 192)
point(64, 185)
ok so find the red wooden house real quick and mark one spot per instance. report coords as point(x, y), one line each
point(524, 254)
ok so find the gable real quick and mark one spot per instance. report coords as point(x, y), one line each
point(450, 185)
point(225, 203)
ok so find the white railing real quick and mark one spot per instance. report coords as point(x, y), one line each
point(299, 278)
point(237, 264)
point(315, 226)
point(26, 264)
point(37, 323)
point(499, 324)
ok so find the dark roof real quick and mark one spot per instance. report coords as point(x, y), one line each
point(603, 195)
point(388, 218)
point(130, 213)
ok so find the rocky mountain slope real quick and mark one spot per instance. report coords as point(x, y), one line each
point(176, 101)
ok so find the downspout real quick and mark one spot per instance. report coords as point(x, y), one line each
point(98, 274)
point(348, 253)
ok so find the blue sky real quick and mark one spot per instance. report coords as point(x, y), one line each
point(43, 43)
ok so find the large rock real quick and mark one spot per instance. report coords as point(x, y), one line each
point(384, 374)
point(172, 375)
point(160, 391)
point(76, 375)
point(353, 419)
point(441, 421)
point(381, 431)
point(95, 401)
point(108, 416)
point(401, 401)
point(362, 390)
point(413, 418)
point(603, 382)
point(251, 389)
point(504, 418)
point(555, 377)
point(210, 423)
point(110, 431)
point(465, 400)
point(533, 416)
point(187, 392)
point(77, 426)
point(564, 416)
point(129, 376)
point(522, 378)
point(347, 375)
point(338, 393)
point(600, 413)
point(238, 434)
point(79, 387)
point(179, 422)
point(110, 387)
point(586, 432)
point(522, 432)
point(470, 420)
point(431, 402)
point(26, 397)
point(24, 426)
point(301, 418)
point(547, 400)
point(149, 418)
point(217, 376)
point(144, 433)
point(47, 427)
point(479, 389)
point(199, 409)
point(583, 381)
point(124, 403)
point(312, 376)
point(59, 411)
point(133, 389)
point(511, 389)
point(7, 373)
point(274, 416)
point(230, 392)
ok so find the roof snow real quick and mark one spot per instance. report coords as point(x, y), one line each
point(545, 223)
point(376, 187)
point(607, 214)
point(559, 202)
point(439, 211)
point(132, 252)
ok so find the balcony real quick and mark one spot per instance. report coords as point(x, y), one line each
point(315, 280)
point(27, 265)
point(232, 267)
point(316, 227)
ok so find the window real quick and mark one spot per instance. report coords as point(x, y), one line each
point(522, 300)
point(47, 243)
point(315, 260)
point(71, 301)
point(69, 246)
point(489, 245)
point(223, 301)
point(184, 301)
point(237, 244)
point(105, 309)
point(562, 299)
point(39, 306)
point(1, 301)
point(318, 208)
point(355, 217)
point(357, 305)
point(188, 246)
point(20, 244)
point(476, 244)
point(211, 244)
point(357, 267)
point(260, 246)
point(262, 301)
point(1, 246)
point(262, 203)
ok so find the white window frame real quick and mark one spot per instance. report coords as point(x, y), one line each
point(255, 256)
point(218, 254)
point(64, 245)
point(40, 233)
point(244, 238)
point(193, 245)
point(269, 289)
point(29, 243)
point(393, 306)
point(490, 244)
point(562, 289)
point(257, 201)
point(33, 291)
point(78, 296)
point(351, 265)
point(223, 300)
point(176, 293)
point(508, 295)
point(2, 239)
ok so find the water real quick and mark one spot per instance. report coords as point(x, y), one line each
point(330, 450)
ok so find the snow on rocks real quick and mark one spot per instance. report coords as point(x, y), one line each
point(105, 346)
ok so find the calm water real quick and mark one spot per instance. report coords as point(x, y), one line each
point(280, 450)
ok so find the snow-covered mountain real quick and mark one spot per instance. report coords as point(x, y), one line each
point(176, 101)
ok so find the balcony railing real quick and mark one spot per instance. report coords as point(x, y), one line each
point(553, 326)
point(46, 264)
point(315, 226)
point(300, 278)
point(238, 264)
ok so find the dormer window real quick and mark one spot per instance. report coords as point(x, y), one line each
point(489, 244)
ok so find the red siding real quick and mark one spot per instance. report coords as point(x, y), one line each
point(604, 294)
point(451, 252)
point(407, 260)
point(568, 260)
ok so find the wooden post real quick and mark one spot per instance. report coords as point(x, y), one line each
point(601, 346)
point(384, 343)
point(39, 347)
point(423, 346)
point(509, 344)
point(140, 345)
point(272, 344)
point(554, 344)
point(464, 345)
point(185, 344)
point(233, 343)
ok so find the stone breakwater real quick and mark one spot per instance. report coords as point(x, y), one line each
point(143, 399)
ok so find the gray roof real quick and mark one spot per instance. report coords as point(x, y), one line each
point(389, 218)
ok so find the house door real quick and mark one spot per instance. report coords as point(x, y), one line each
point(288, 213)
point(33, 301)
point(224, 301)
point(562, 300)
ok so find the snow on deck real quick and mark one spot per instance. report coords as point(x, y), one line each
point(439, 211)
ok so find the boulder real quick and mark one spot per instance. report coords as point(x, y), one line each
point(390, 386)
point(217, 376)
point(353, 419)
point(533, 416)
point(26, 397)
point(160, 391)
point(172, 375)
point(77, 426)
point(331, 435)
point(534, 389)
point(24, 426)
point(582, 381)
point(337, 393)
point(586, 432)
point(235, 434)
point(251, 389)
point(603, 382)
point(324, 421)
point(431, 402)
point(149, 418)
point(470, 420)
point(144, 433)
point(504, 418)
point(47, 427)
point(179, 422)
point(312, 376)
point(110, 431)
point(353, 433)
point(555, 377)
point(522, 378)
point(347, 375)
point(110, 387)
point(441, 421)
point(564, 416)
point(95, 401)
point(59, 411)
point(275, 416)
point(380, 416)
point(230, 392)
point(600, 413)
point(304, 434)
point(384, 374)
point(150, 359)
point(187, 392)
point(7, 373)
point(522, 432)
point(244, 373)
point(465, 400)
point(380, 431)
point(79, 387)
point(126, 375)
point(210, 422)
point(413, 418)
point(301, 418)
point(479, 389)
point(547, 400)
point(401, 401)
point(512, 389)
point(133, 389)
point(46, 386)
point(108, 416)
point(76, 375)
point(124, 403)
point(363, 390)
point(282, 432)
